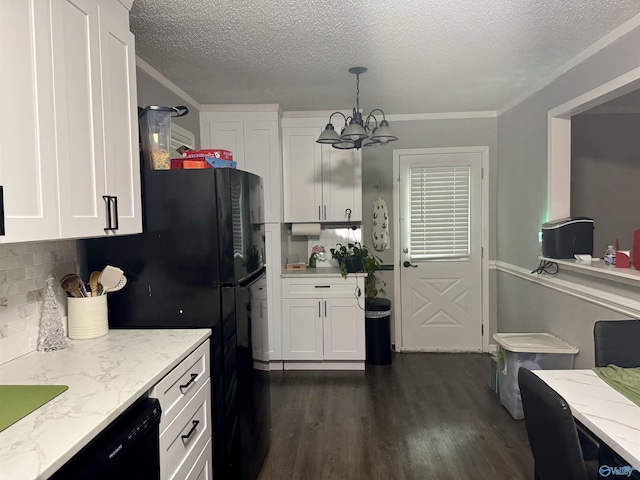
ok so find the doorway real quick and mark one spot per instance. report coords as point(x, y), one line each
point(439, 230)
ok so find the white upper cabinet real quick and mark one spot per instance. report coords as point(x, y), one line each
point(120, 113)
point(321, 183)
point(81, 175)
point(28, 154)
point(72, 110)
point(254, 139)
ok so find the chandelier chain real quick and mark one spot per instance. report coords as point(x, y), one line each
point(358, 92)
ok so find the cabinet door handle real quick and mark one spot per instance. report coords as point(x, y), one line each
point(1, 212)
point(191, 380)
point(319, 311)
point(319, 215)
point(111, 204)
point(193, 429)
point(324, 207)
point(107, 203)
point(115, 213)
point(325, 308)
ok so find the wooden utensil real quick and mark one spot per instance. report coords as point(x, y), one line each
point(71, 283)
point(94, 283)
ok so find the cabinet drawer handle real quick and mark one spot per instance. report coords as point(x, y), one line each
point(322, 286)
point(190, 432)
point(191, 380)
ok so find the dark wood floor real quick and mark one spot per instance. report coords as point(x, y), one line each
point(427, 416)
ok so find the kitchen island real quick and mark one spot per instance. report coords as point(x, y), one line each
point(105, 376)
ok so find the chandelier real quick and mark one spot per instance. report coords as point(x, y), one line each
point(357, 133)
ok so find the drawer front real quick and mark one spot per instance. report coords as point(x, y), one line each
point(184, 439)
point(202, 469)
point(329, 287)
point(181, 384)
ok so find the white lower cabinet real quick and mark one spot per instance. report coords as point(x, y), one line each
point(185, 425)
point(322, 323)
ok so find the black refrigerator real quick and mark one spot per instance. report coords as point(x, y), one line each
point(194, 266)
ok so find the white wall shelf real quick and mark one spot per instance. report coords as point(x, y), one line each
point(597, 268)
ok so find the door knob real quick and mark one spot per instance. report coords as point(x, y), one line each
point(408, 264)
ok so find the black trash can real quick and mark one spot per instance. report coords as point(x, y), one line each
point(378, 331)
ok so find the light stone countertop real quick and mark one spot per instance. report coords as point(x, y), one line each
point(312, 272)
point(607, 413)
point(105, 376)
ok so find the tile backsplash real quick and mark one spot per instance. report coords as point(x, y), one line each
point(24, 268)
point(328, 238)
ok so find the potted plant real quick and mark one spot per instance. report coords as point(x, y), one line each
point(354, 258)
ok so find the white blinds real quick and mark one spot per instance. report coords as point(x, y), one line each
point(439, 211)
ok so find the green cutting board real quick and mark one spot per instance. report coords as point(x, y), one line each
point(17, 401)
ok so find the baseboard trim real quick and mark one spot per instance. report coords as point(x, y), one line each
point(610, 301)
point(322, 365)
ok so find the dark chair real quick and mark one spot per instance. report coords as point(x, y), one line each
point(617, 342)
point(551, 431)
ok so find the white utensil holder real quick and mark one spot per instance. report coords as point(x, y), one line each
point(88, 317)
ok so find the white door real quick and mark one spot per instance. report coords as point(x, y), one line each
point(440, 251)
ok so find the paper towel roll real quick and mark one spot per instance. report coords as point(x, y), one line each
point(305, 229)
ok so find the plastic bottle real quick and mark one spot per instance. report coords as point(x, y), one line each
point(610, 256)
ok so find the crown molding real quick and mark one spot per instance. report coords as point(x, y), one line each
point(242, 107)
point(604, 42)
point(402, 117)
point(148, 69)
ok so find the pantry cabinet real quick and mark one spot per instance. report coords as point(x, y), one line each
point(322, 323)
point(74, 115)
point(273, 249)
point(321, 183)
point(254, 140)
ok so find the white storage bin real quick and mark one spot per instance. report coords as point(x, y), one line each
point(535, 351)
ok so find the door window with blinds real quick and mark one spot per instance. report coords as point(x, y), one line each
point(440, 212)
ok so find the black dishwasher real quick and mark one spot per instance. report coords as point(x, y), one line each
point(127, 449)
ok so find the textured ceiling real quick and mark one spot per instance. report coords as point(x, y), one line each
point(423, 57)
